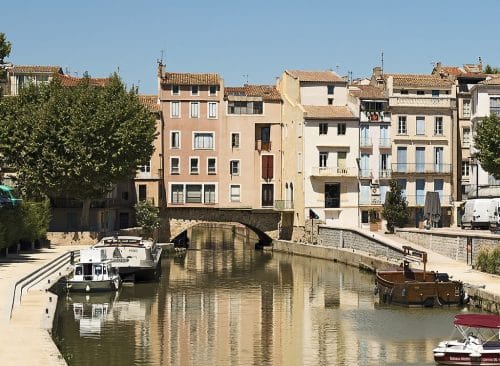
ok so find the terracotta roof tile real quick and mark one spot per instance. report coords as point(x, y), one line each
point(419, 80)
point(68, 80)
point(177, 78)
point(26, 69)
point(269, 93)
point(327, 112)
point(150, 102)
point(366, 92)
point(495, 80)
point(326, 76)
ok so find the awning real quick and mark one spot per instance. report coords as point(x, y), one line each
point(478, 320)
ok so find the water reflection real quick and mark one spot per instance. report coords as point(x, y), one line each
point(232, 305)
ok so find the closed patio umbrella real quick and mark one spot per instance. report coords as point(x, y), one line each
point(432, 208)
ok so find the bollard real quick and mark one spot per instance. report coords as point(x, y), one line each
point(46, 310)
point(50, 298)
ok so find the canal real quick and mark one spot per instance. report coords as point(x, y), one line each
point(223, 303)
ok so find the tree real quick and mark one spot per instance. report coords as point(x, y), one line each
point(148, 217)
point(5, 47)
point(395, 210)
point(487, 142)
point(77, 141)
point(491, 70)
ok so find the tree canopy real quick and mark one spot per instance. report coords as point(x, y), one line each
point(395, 210)
point(487, 142)
point(491, 70)
point(5, 47)
point(75, 141)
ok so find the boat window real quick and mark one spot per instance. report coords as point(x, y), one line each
point(78, 271)
point(104, 270)
point(98, 270)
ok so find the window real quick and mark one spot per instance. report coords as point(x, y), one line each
point(267, 195)
point(330, 101)
point(465, 168)
point(193, 166)
point(323, 128)
point(420, 192)
point(175, 140)
point(495, 105)
point(364, 217)
point(212, 110)
point(235, 140)
point(125, 196)
point(175, 109)
point(420, 159)
point(323, 158)
point(142, 192)
point(341, 129)
point(195, 109)
point(211, 166)
point(332, 195)
point(438, 126)
point(203, 140)
point(212, 90)
point(402, 125)
point(331, 88)
point(175, 90)
point(466, 136)
point(174, 166)
point(193, 193)
point(146, 168)
point(402, 186)
point(435, 93)
point(404, 92)
point(195, 90)
point(267, 166)
point(235, 193)
point(177, 194)
point(341, 159)
point(244, 107)
point(420, 92)
point(420, 127)
point(209, 194)
point(466, 108)
point(234, 167)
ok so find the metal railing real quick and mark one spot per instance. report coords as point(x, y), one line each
point(419, 200)
point(263, 145)
point(384, 142)
point(282, 205)
point(385, 174)
point(421, 168)
point(334, 172)
point(365, 142)
point(408, 101)
point(365, 173)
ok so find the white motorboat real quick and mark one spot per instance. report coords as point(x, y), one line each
point(134, 257)
point(93, 273)
point(479, 343)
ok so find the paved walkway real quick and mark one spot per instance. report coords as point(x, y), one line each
point(24, 338)
point(459, 270)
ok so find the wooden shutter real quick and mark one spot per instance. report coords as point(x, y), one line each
point(267, 166)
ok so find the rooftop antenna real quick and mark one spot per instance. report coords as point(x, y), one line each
point(382, 59)
point(118, 70)
point(337, 69)
point(246, 77)
point(161, 58)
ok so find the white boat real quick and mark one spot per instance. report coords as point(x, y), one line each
point(478, 345)
point(134, 257)
point(93, 273)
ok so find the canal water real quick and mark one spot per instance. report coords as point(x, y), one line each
point(224, 303)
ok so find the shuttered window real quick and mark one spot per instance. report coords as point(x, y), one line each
point(267, 166)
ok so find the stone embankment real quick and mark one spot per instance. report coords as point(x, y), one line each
point(447, 252)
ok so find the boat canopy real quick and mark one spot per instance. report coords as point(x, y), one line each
point(478, 320)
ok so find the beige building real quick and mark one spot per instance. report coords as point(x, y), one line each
point(423, 111)
point(20, 75)
point(320, 141)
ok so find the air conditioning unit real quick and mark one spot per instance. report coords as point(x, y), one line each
point(376, 182)
point(375, 191)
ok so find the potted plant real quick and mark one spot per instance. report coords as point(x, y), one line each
point(374, 220)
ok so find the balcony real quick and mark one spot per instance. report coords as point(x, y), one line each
point(430, 102)
point(375, 116)
point(365, 143)
point(334, 172)
point(384, 143)
point(385, 174)
point(419, 200)
point(283, 205)
point(403, 168)
point(262, 145)
point(365, 174)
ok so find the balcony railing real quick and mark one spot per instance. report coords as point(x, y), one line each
point(365, 174)
point(421, 168)
point(375, 116)
point(419, 200)
point(365, 142)
point(262, 145)
point(283, 205)
point(385, 174)
point(404, 101)
point(385, 142)
point(334, 172)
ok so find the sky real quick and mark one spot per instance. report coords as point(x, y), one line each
point(252, 41)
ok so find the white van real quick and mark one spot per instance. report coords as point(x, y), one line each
point(494, 212)
point(476, 213)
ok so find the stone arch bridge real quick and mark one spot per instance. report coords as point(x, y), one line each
point(265, 223)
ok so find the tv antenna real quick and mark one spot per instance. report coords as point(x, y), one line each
point(246, 77)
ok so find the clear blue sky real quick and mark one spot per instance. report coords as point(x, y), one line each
point(258, 38)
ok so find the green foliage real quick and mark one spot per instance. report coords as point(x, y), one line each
point(491, 70)
point(28, 221)
point(5, 47)
point(75, 141)
point(395, 209)
point(488, 144)
point(148, 217)
point(374, 218)
point(489, 261)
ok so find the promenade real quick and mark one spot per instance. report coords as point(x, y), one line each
point(24, 334)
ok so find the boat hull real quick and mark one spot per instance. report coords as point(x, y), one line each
point(93, 286)
point(463, 358)
point(394, 287)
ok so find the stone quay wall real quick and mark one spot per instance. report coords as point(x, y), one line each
point(451, 244)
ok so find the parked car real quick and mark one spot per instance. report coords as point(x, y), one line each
point(494, 213)
point(476, 213)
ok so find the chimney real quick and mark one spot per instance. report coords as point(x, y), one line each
point(480, 64)
point(438, 65)
point(160, 68)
